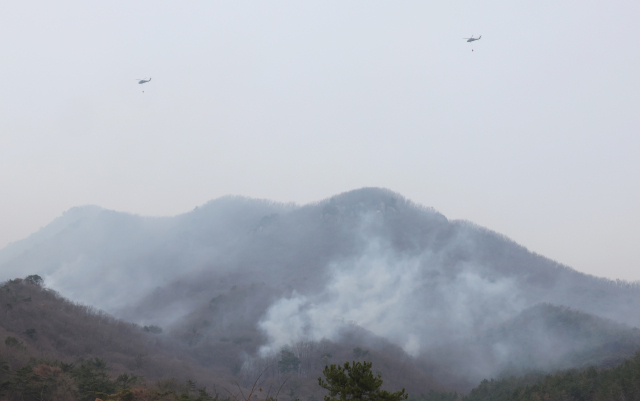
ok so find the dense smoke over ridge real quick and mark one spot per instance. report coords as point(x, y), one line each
point(411, 300)
point(111, 260)
point(270, 275)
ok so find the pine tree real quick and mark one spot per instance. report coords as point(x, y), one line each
point(356, 382)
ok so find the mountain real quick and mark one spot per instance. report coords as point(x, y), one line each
point(40, 328)
point(543, 338)
point(616, 383)
point(109, 259)
point(367, 266)
point(70, 218)
point(46, 326)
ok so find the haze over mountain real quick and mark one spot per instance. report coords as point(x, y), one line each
point(366, 266)
point(40, 328)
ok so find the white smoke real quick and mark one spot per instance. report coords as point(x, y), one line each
point(412, 301)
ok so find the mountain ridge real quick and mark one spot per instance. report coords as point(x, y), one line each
point(395, 269)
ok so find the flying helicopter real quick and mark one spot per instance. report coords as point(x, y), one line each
point(471, 39)
point(143, 81)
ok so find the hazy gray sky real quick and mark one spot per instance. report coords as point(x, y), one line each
point(534, 133)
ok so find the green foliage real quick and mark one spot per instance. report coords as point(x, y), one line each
point(41, 380)
point(14, 343)
point(4, 366)
point(127, 381)
point(356, 382)
point(11, 341)
point(70, 330)
point(66, 367)
point(152, 329)
point(590, 384)
point(289, 362)
point(31, 333)
point(170, 389)
point(37, 381)
point(35, 280)
point(126, 395)
point(359, 352)
point(92, 379)
point(24, 382)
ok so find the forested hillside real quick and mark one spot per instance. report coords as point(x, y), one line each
point(618, 383)
point(111, 260)
point(49, 341)
point(237, 282)
point(543, 338)
point(56, 350)
point(50, 327)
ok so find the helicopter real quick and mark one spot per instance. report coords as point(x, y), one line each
point(143, 81)
point(471, 39)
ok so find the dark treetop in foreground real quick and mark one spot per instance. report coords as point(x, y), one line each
point(356, 381)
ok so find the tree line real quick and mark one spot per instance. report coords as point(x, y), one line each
point(89, 380)
point(590, 384)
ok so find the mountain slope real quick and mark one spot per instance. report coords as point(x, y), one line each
point(51, 327)
point(250, 240)
point(543, 338)
point(368, 258)
point(108, 259)
point(37, 323)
